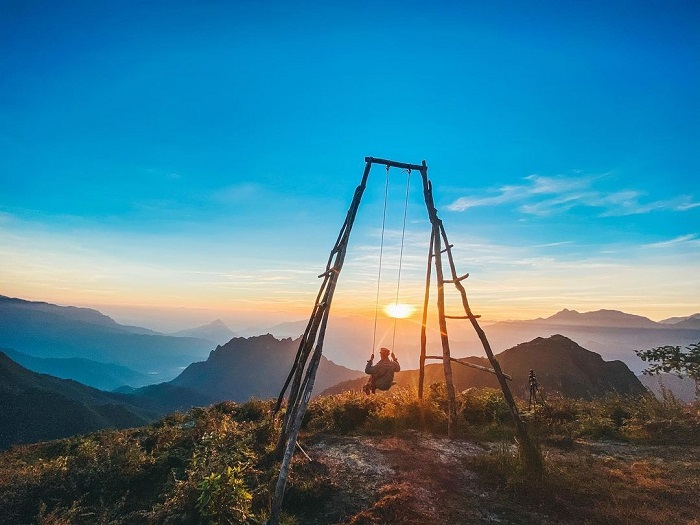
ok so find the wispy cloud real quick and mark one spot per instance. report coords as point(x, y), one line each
point(682, 240)
point(544, 196)
point(238, 193)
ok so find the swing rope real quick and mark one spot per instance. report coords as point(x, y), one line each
point(403, 236)
point(381, 253)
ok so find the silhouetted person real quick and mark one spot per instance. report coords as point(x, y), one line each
point(381, 375)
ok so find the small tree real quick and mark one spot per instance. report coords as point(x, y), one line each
point(673, 359)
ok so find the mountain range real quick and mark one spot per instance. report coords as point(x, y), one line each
point(560, 365)
point(613, 334)
point(254, 367)
point(215, 331)
point(45, 330)
point(105, 376)
point(40, 406)
point(691, 321)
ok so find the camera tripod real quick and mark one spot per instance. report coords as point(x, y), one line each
point(534, 391)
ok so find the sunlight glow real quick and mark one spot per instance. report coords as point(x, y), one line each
point(399, 310)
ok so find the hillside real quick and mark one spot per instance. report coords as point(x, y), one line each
point(560, 365)
point(51, 331)
point(40, 406)
point(614, 335)
point(105, 376)
point(376, 460)
point(37, 407)
point(72, 313)
point(254, 367)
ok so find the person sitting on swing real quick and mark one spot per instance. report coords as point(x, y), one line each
point(381, 375)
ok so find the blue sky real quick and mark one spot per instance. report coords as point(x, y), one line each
point(202, 155)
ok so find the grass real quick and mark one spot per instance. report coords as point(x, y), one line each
point(214, 465)
point(600, 488)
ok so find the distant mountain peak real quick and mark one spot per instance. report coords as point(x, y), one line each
point(216, 331)
point(693, 318)
point(602, 317)
point(254, 366)
point(560, 363)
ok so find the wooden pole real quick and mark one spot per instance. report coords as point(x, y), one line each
point(424, 322)
point(437, 259)
point(300, 392)
point(531, 453)
point(446, 361)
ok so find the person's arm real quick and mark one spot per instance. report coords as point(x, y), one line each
point(369, 367)
point(397, 366)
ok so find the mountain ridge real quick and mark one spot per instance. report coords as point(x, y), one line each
point(39, 406)
point(50, 331)
point(266, 361)
point(560, 364)
point(216, 331)
point(602, 317)
point(104, 376)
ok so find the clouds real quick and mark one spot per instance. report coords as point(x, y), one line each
point(547, 196)
point(682, 241)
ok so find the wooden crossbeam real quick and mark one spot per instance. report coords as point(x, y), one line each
point(457, 280)
point(394, 164)
point(471, 365)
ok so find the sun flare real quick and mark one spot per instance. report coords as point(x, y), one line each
point(399, 310)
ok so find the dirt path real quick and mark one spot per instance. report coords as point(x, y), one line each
point(409, 479)
point(421, 479)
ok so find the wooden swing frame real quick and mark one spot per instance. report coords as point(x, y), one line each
point(303, 373)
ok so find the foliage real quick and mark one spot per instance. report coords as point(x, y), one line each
point(354, 412)
point(485, 416)
point(603, 488)
point(673, 359)
point(642, 419)
point(214, 465)
point(223, 497)
point(484, 405)
point(342, 413)
point(198, 467)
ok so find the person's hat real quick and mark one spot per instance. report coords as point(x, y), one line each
point(384, 351)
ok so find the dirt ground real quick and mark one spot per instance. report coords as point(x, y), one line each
point(414, 478)
point(417, 478)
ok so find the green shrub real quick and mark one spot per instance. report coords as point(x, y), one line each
point(484, 405)
point(223, 498)
point(343, 413)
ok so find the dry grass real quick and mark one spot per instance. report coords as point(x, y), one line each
point(214, 465)
point(602, 486)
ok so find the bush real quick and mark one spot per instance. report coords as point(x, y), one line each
point(642, 418)
point(223, 498)
point(343, 413)
point(485, 405)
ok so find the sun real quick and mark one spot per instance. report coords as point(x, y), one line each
point(399, 310)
